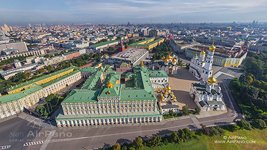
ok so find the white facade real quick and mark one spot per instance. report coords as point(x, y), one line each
point(201, 67)
point(207, 93)
point(16, 106)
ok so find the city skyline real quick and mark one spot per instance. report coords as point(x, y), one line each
point(134, 11)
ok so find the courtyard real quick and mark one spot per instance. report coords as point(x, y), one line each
point(181, 84)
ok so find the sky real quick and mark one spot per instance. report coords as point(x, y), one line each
point(133, 11)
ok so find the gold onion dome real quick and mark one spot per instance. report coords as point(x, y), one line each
point(174, 60)
point(202, 52)
point(169, 57)
point(166, 60)
point(109, 85)
point(212, 48)
point(168, 88)
point(212, 80)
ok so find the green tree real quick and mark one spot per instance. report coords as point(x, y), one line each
point(197, 110)
point(185, 110)
point(155, 140)
point(259, 123)
point(249, 79)
point(139, 143)
point(174, 137)
point(243, 124)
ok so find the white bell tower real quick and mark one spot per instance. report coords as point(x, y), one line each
point(207, 70)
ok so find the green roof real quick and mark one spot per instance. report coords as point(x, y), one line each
point(92, 81)
point(40, 78)
point(147, 44)
point(137, 87)
point(17, 96)
point(104, 43)
point(115, 90)
point(138, 43)
point(60, 78)
point(88, 69)
point(157, 73)
point(81, 95)
point(34, 87)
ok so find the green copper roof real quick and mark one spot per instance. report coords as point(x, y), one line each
point(113, 78)
point(136, 87)
point(138, 43)
point(104, 43)
point(41, 78)
point(92, 81)
point(34, 87)
point(88, 69)
point(157, 73)
point(81, 95)
point(17, 96)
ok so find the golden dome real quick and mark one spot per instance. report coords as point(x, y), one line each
point(109, 85)
point(169, 57)
point(202, 52)
point(166, 60)
point(163, 58)
point(212, 80)
point(174, 60)
point(168, 88)
point(212, 48)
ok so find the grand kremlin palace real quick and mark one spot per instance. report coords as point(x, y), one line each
point(28, 94)
point(108, 97)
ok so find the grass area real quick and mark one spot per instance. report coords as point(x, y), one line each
point(204, 142)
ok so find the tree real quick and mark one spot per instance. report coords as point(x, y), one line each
point(187, 133)
point(139, 143)
point(124, 147)
point(243, 124)
point(259, 123)
point(197, 110)
point(155, 140)
point(174, 137)
point(185, 110)
point(117, 146)
point(249, 79)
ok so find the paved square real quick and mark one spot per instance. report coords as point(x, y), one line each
point(181, 84)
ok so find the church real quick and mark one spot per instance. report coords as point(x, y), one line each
point(207, 93)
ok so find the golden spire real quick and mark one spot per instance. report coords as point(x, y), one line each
point(212, 48)
point(202, 52)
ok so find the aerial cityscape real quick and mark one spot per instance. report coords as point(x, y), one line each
point(133, 75)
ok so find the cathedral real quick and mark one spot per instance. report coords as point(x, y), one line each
point(207, 93)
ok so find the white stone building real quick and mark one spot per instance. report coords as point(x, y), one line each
point(207, 93)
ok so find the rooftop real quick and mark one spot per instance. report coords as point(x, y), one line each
point(136, 87)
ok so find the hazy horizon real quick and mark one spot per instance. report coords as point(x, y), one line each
point(133, 11)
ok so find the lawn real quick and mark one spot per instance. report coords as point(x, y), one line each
point(204, 142)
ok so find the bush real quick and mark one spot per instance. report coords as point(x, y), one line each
point(212, 131)
point(243, 124)
point(231, 128)
point(259, 123)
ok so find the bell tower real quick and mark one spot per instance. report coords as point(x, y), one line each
point(207, 70)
